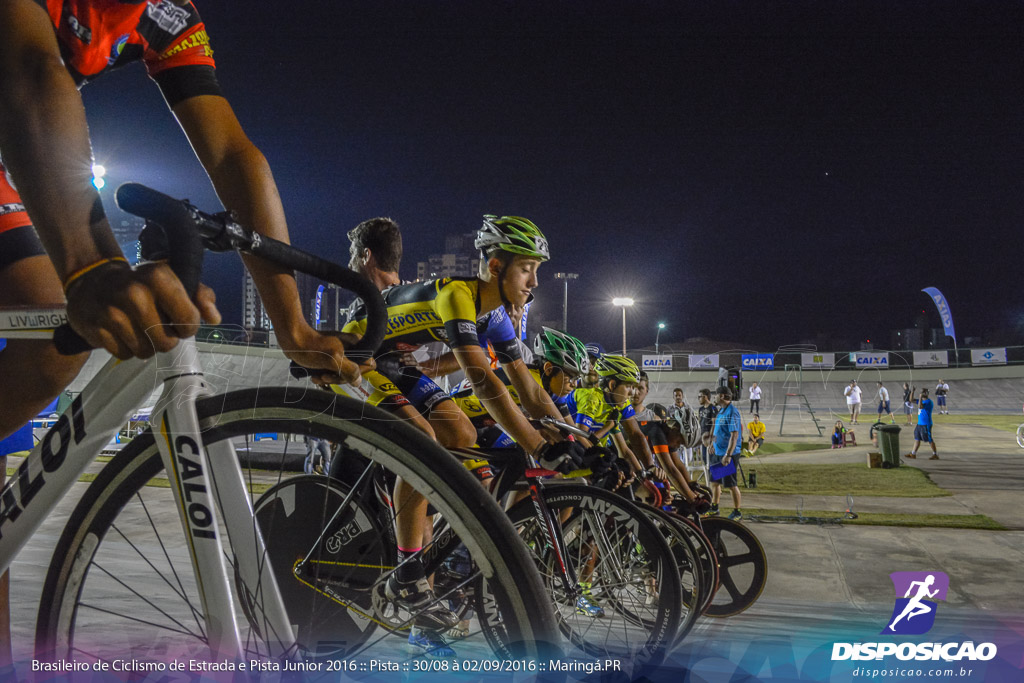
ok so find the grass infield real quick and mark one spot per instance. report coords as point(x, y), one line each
point(841, 479)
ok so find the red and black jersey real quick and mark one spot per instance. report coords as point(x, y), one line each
point(96, 36)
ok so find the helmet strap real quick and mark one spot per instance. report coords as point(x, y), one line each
point(545, 378)
point(501, 289)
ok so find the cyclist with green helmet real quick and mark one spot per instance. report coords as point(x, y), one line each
point(453, 310)
point(559, 362)
point(605, 412)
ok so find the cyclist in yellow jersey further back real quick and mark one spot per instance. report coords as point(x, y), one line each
point(606, 413)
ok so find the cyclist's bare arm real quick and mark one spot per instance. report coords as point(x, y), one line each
point(444, 364)
point(603, 431)
point(495, 398)
point(626, 452)
point(637, 442)
point(44, 140)
point(243, 180)
point(535, 400)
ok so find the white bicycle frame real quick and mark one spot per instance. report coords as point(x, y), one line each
point(207, 483)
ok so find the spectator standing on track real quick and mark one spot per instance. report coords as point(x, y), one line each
point(941, 389)
point(923, 430)
point(852, 394)
point(706, 416)
point(884, 405)
point(318, 456)
point(682, 413)
point(644, 413)
point(755, 398)
point(725, 447)
point(908, 407)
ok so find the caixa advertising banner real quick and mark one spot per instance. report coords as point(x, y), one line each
point(703, 362)
point(988, 356)
point(758, 361)
point(872, 359)
point(660, 362)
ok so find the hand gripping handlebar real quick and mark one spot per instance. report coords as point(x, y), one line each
point(188, 232)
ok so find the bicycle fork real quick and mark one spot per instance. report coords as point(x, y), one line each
point(553, 536)
point(205, 483)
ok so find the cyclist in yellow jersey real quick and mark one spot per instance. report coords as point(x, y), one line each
point(452, 310)
point(605, 411)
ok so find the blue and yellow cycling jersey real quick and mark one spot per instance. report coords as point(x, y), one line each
point(591, 411)
point(489, 433)
point(464, 397)
point(445, 310)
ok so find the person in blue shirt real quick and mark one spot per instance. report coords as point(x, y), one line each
point(923, 430)
point(725, 446)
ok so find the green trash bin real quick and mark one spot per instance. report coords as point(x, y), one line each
point(889, 444)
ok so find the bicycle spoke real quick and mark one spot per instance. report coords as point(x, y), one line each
point(192, 608)
point(163, 627)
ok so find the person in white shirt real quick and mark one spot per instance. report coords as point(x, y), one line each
point(755, 398)
point(941, 389)
point(883, 404)
point(852, 394)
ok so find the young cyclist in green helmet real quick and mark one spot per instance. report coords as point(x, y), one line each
point(559, 362)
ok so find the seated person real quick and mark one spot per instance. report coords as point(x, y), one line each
point(755, 434)
point(838, 434)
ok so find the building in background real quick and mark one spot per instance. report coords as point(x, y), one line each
point(460, 259)
point(126, 232)
point(254, 316)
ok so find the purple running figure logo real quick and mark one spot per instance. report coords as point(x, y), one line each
point(916, 596)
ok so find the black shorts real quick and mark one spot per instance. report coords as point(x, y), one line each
point(728, 481)
point(923, 433)
point(19, 243)
point(421, 391)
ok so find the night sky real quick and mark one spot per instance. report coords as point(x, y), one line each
point(749, 171)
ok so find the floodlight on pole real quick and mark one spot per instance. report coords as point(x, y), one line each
point(661, 326)
point(565, 277)
point(624, 302)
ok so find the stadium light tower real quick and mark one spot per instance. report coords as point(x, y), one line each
point(624, 302)
point(565, 277)
point(661, 326)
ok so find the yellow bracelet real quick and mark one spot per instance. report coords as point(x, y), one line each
point(70, 279)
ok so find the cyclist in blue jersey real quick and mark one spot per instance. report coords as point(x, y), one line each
point(923, 430)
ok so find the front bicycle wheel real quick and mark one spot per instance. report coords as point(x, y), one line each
point(1020, 435)
point(627, 601)
point(743, 566)
point(121, 585)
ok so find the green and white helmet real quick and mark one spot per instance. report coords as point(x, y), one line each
point(619, 368)
point(513, 234)
point(561, 350)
